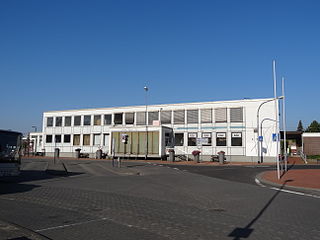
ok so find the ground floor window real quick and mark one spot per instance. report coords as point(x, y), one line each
point(57, 138)
point(207, 139)
point(96, 139)
point(67, 138)
point(178, 139)
point(48, 138)
point(192, 139)
point(76, 139)
point(236, 139)
point(221, 139)
point(86, 140)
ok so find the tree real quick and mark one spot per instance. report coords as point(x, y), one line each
point(300, 127)
point(313, 127)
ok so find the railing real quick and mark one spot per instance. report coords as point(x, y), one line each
point(303, 157)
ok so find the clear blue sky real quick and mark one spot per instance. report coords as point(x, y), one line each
point(57, 55)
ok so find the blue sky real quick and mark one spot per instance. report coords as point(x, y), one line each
point(57, 55)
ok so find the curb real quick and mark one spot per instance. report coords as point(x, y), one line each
point(297, 190)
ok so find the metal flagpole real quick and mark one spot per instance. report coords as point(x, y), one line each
point(276, 111)
point(284, 128)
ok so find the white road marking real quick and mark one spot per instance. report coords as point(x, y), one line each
point(287, 191)
point(70, 225)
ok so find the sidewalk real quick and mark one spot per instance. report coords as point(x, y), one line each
point(302, 180)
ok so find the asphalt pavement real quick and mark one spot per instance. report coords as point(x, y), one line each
point(151, 201)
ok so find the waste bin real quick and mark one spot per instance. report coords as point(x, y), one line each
point(171, 155)
point(56, 152)
point(221, 157)
point(78, 152)
point(99, 154)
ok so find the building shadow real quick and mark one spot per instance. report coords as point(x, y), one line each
point(246, 231)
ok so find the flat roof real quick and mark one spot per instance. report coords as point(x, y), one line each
point(162, 105)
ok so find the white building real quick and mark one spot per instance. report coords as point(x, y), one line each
point(229, 126)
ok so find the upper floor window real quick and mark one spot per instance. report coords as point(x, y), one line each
point(97, 120)
point(179, 117)
point(166, 117)
point(129, 118)
point(236, 114)
point(67, 121)
point(220, 115)
point(58, 121)
point(87, 120)
point(49, 121)
point(107, 119)
point(152, 116)
point(141, 118)
point(192, 116)
point(77, 121)
point(118, 118)
point(206, 115)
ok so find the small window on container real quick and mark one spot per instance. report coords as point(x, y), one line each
point(87, 120)
point(50, 122)
point(178, 139)
point(48, 138)
point(192, 139)
point(67, 121)
point(207, 139)
point(236, 139)
point(77, 121)
point(221, 139)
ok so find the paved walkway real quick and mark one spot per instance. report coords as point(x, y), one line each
point(302, 180)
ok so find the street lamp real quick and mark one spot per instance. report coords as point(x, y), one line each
point(258, 128)
point(146, 95)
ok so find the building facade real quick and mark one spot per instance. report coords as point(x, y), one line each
point(210, 127)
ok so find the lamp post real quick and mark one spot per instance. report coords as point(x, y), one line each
point(259, 131)
point(146, 98)
point(36, 142)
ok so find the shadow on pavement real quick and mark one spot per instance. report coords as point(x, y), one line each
point(17, 184)
point(245, 232)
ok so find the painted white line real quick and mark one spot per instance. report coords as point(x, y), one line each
point(259, 183)
point(287, 191)
point(176, 168)
point(70, 225)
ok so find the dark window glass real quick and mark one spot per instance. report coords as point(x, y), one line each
point(129, 118)
point(48, 138)
point(178, 139)
point(67, 121)
point(207, 137)
point(221, 139)
point(107, 119)
point(67, 138)
point(236, 139)
point(57, 138)
point(118, 118)
point(77, 121)
point(49, 121)
point(87, 120)
point(192, 139)
point(58, 121)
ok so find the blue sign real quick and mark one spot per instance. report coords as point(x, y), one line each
point(260, 138)
point(274, 137)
